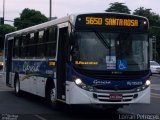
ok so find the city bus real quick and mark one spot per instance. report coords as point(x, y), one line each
point(99, 59)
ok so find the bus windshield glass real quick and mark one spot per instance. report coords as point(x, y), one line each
point(110, 51)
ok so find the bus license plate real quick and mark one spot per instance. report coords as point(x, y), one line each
point(116, 97)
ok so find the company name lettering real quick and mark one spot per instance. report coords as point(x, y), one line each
point(134, 83)
point(98, 82)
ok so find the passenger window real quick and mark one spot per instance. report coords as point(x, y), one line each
point(52, 34)
point(41, 37)
point(51, 50)
point(24, 40)
point(41, 50)
point(40, 44)
point(51, 42)
point(17, 47)
point(32, 38)
point(31, 46)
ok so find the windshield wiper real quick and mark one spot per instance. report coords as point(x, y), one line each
point(101, 37)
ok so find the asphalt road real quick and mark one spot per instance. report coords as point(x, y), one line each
point(30, 107)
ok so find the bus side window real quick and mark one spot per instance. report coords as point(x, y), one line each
point(41, 44)
point(41, 36)
point(20, 47)
point(24, 46)
point(16, 47)
point(51, 42)
point(32, 45)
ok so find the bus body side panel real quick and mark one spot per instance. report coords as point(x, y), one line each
point(33, 75)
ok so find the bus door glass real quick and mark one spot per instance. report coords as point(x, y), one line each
point(9, 61)
point(61, 62)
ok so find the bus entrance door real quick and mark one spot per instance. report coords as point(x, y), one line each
point(9, 62)
point(61, 63)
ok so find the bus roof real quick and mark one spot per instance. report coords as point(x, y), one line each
point(40, 26)
point(69, 18)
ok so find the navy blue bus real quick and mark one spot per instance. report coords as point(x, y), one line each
point(92, 58)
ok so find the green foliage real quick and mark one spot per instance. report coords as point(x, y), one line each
point(118, 7)
point(4, 29)
point(154, 19)
point(29, 17)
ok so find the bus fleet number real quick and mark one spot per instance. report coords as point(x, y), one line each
point(93, 21)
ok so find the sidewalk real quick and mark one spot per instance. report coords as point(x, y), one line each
point(3, 86)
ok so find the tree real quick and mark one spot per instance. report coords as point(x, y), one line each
point(4, 29)
point(154, 19)
point(29, 17)
point(118, 7)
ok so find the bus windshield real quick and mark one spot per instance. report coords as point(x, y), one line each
point(106, 51)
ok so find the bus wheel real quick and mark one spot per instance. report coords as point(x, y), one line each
point(51, 95)
point(17, 86)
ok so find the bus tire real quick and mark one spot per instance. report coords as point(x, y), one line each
point(51, 95)
point(17, 86)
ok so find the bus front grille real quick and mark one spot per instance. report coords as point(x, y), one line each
point(106, 97)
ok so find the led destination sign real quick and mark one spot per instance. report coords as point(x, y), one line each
point(111, 21)
point(121, 22)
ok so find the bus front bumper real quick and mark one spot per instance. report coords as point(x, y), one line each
point(76, 95)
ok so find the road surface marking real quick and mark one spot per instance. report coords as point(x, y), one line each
point(155, 95)
point(155, 87)
point(40, 117)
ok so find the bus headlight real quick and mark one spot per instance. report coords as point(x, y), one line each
point(82, 85)
point(1, 63)
point(78, 81)
point(148, 82)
